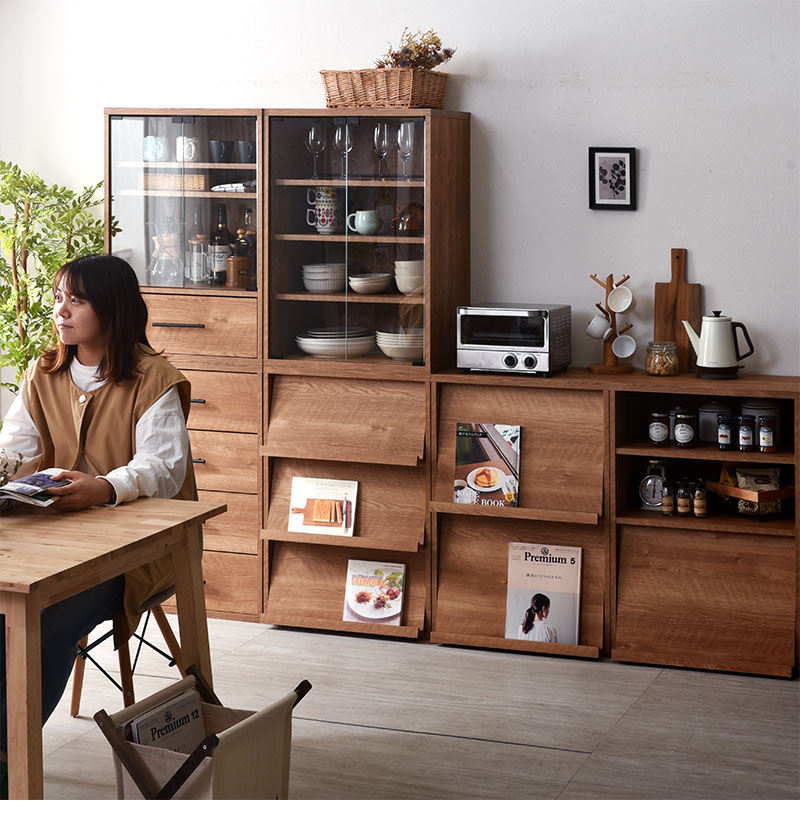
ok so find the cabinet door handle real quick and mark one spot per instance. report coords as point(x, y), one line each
point(197, 400)
point(176, 324)
point(198, 460)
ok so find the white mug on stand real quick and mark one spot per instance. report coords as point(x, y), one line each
point(620, 299)
point(623, 347)
point(599, 327)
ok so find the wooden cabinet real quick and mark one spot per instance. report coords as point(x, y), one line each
point(168, 173)
point(358, 407)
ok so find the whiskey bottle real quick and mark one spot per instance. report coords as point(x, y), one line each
point(220, 248)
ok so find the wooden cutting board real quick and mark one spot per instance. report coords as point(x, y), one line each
point(308, 512)
point(675, 301)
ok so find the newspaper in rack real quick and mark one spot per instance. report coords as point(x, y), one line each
point(176, 725)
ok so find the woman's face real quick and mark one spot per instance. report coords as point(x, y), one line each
point(77, 323)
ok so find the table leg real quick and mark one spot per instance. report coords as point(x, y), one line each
point(24, 695)
point(192, 622)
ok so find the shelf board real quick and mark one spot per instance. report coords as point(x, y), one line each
point(377, 359)
point(386, 299)
point(185, 166)
point(371, 542)
point(714, 522)
point(386, 183)
point(297, 620)
point(181, 193)
point(541, 514)
point(703, 451)
point(490, 642)
point(633, 654)
point(348, 238)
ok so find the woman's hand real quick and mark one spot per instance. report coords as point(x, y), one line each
point(83, 492)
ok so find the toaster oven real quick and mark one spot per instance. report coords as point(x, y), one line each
point(506, 337)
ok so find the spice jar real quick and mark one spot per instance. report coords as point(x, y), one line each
point(725, 430)
point(658, 429)
point(667, 499)
point(686, 429)
point(700, 500)
point(747, 431)
point(766, 433)
point(662, 358)
point(683, 498)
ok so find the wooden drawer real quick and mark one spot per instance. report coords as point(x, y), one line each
point(203, 325)
point(225, 461)
point(224, 401)
point(238, 529)
point(233, 583)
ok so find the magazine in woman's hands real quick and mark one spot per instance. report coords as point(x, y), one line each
point(31, 489)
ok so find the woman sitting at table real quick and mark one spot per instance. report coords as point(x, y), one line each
point(109, 410)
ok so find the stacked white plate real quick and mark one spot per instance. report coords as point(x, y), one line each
point(336, 342)
point(409, 275)
point(407, 344)
point(325, 277)
point(370, 283)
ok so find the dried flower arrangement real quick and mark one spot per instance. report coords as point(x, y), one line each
point(420, 50)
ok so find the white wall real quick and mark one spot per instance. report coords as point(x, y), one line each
point(708, 90)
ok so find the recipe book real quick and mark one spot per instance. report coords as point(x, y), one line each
point(545, 579)
point(374, 592)
point(319, 506)
point(487, 464)
point(30, 489)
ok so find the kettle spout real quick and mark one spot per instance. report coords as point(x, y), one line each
point(693, 337)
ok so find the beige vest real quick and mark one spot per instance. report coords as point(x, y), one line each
point(100, 426)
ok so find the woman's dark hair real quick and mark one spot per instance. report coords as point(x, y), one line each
point(110, 286)
point(538, 603)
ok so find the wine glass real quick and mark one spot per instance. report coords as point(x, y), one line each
point(405, 144)
point(380, 145)
point(343, 142)
point(315, 144)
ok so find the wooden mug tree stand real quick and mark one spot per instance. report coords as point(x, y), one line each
point(611, 364)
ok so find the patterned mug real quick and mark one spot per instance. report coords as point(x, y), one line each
point(323, 217)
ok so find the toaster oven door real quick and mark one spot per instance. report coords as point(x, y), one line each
point(524, 330)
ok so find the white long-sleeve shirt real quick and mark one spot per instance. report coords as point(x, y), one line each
point(158, 466)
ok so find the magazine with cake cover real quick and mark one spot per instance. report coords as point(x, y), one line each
point(374, 592)
point(319, 506)
point(487, 464)
point(176, 725)
point(30, 489)
point(544, 593)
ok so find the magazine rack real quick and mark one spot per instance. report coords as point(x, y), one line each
point(245, 754)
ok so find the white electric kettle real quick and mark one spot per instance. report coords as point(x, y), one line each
point(716, 347)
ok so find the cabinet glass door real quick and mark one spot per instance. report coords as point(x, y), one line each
point(347, 258)
point(185, 194)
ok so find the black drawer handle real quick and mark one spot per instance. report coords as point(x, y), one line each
point(175, 324)
point(198, 460)
point(197, 400)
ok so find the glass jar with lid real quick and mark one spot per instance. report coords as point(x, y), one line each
point(662, 358)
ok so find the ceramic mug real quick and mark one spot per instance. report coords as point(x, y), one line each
point(623, 347)
point(321, 194)
point(247, 151)
point(323, 217)
point(621, 299)
point(185, 149)
point(599, 327)
point(221, 151)
point(364, 221)
point(154, 148)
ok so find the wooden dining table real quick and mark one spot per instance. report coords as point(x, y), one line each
point(47, 556)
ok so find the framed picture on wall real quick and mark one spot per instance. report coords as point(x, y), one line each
point(612, 178)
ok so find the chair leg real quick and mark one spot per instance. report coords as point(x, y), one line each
point(169, 638)
point(126, 675)
point(77, 680)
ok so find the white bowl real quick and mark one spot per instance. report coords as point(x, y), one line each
point(409, 286)
point(336, 348)
point(399, 272)
point(328, 285)
point(314, 268)
point(409, 264)
point(406, 353)
point(410, 336)
point(370, 283)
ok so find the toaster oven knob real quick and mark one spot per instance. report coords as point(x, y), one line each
point(529, 362)
point(510, 360)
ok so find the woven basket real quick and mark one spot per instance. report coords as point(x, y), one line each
point(384, 87)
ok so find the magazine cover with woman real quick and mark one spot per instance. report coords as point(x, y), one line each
point(544, 593)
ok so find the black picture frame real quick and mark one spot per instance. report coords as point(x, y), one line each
point(612, 178)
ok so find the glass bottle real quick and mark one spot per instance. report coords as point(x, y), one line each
point(766, 433)
point(700, 500)
point(684, 499)
point(686, 429)
point(747, 432)
point(725, 432)
point(658, 430)
point(667, 499)
point(220, 248)
point(252, 241)
point(662, 358)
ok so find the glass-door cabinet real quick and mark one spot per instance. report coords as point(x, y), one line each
point(184, 189)
point(348, 259)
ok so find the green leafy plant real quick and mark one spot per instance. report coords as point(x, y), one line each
point(420, 50)
point(41, 228)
